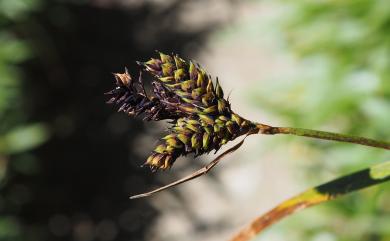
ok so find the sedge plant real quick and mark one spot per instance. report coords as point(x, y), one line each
point(201, 120)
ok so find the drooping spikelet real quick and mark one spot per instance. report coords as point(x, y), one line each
point(202, 119)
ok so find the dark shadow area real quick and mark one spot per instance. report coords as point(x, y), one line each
point(88, 167)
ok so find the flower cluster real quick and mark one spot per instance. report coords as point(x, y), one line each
point(201, 118)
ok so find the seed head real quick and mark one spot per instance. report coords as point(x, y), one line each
point(201, 118)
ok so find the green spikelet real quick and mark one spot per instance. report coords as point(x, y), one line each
point(206, 120)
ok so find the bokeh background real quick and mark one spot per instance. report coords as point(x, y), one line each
point(68, 162)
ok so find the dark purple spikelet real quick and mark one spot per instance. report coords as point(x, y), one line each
point(132, 99)
point(201, 118)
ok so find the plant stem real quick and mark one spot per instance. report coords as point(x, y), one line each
point(270, 130)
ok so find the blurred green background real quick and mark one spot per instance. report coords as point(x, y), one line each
point(68, 161)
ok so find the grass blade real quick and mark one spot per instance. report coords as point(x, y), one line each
point(368, 177)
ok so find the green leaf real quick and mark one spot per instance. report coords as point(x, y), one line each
point(374, 175)
point(24, 138)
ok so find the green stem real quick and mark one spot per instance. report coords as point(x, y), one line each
point(270, 130)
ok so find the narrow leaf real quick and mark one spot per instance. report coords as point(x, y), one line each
point(368, 177)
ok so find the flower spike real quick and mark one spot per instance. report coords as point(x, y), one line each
point(201, 119)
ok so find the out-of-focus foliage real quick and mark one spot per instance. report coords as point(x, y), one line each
point(16, 134)
point(345, 46)
point(342, 83)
